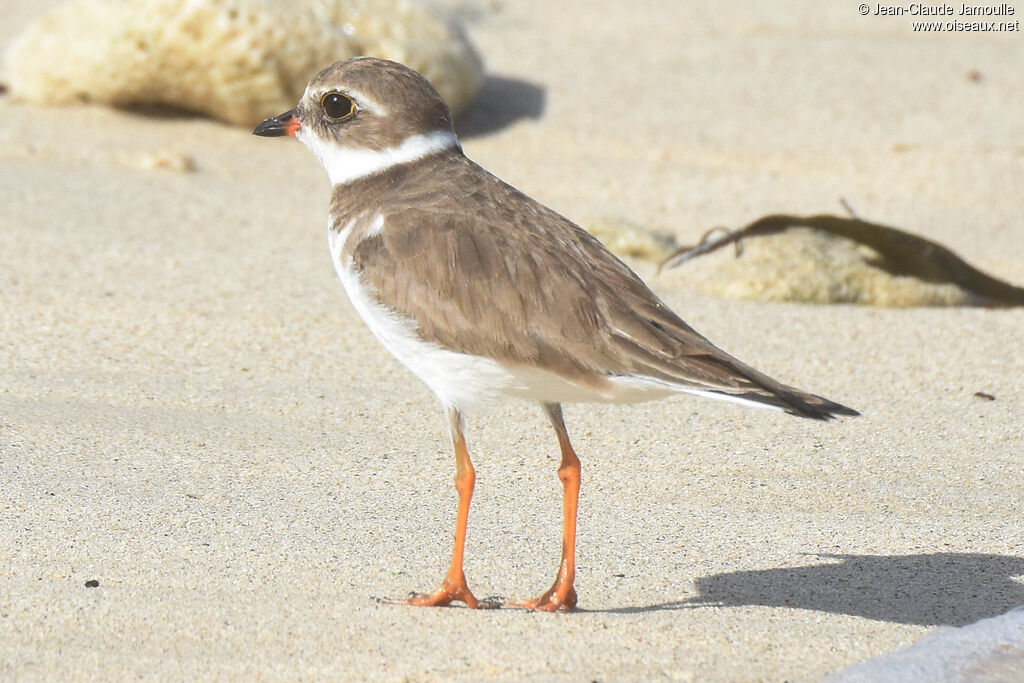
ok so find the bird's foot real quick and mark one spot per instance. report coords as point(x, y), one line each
point(449, 592)
point(555, 598)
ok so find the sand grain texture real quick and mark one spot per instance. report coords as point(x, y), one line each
point(192, 414)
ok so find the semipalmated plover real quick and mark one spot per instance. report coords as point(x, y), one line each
point(484, 293)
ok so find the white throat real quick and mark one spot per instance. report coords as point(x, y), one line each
point(345, 164)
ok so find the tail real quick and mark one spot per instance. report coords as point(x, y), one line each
point(759, 389)
point(654, 343)
point(793, 401)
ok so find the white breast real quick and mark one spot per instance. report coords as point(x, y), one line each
point(465, 381)
point(459, 380)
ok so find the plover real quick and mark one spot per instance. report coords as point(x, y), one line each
point(484, 293)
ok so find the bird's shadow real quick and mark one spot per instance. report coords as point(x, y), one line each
point(500, 102)
point(933, 589)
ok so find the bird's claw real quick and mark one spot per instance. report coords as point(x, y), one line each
point(551, 601)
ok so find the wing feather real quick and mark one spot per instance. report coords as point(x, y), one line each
point(485, 270)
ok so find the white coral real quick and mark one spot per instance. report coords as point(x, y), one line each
point(236, 60)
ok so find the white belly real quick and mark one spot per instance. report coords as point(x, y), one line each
point(466, 381)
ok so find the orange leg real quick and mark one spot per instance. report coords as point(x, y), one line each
point(454, 586)
point(562, 594)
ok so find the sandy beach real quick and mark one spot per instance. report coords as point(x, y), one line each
point(193, 415)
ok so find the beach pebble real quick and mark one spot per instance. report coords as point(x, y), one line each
point(239, 61)
point(167, 160)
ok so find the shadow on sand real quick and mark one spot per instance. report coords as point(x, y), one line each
point(951, 589)
point(500, 103)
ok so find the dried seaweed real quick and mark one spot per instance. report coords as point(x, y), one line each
point(899, 253)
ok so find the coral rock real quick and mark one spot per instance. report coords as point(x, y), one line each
point(236, 60)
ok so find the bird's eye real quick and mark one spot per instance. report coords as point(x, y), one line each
point(337, 106)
